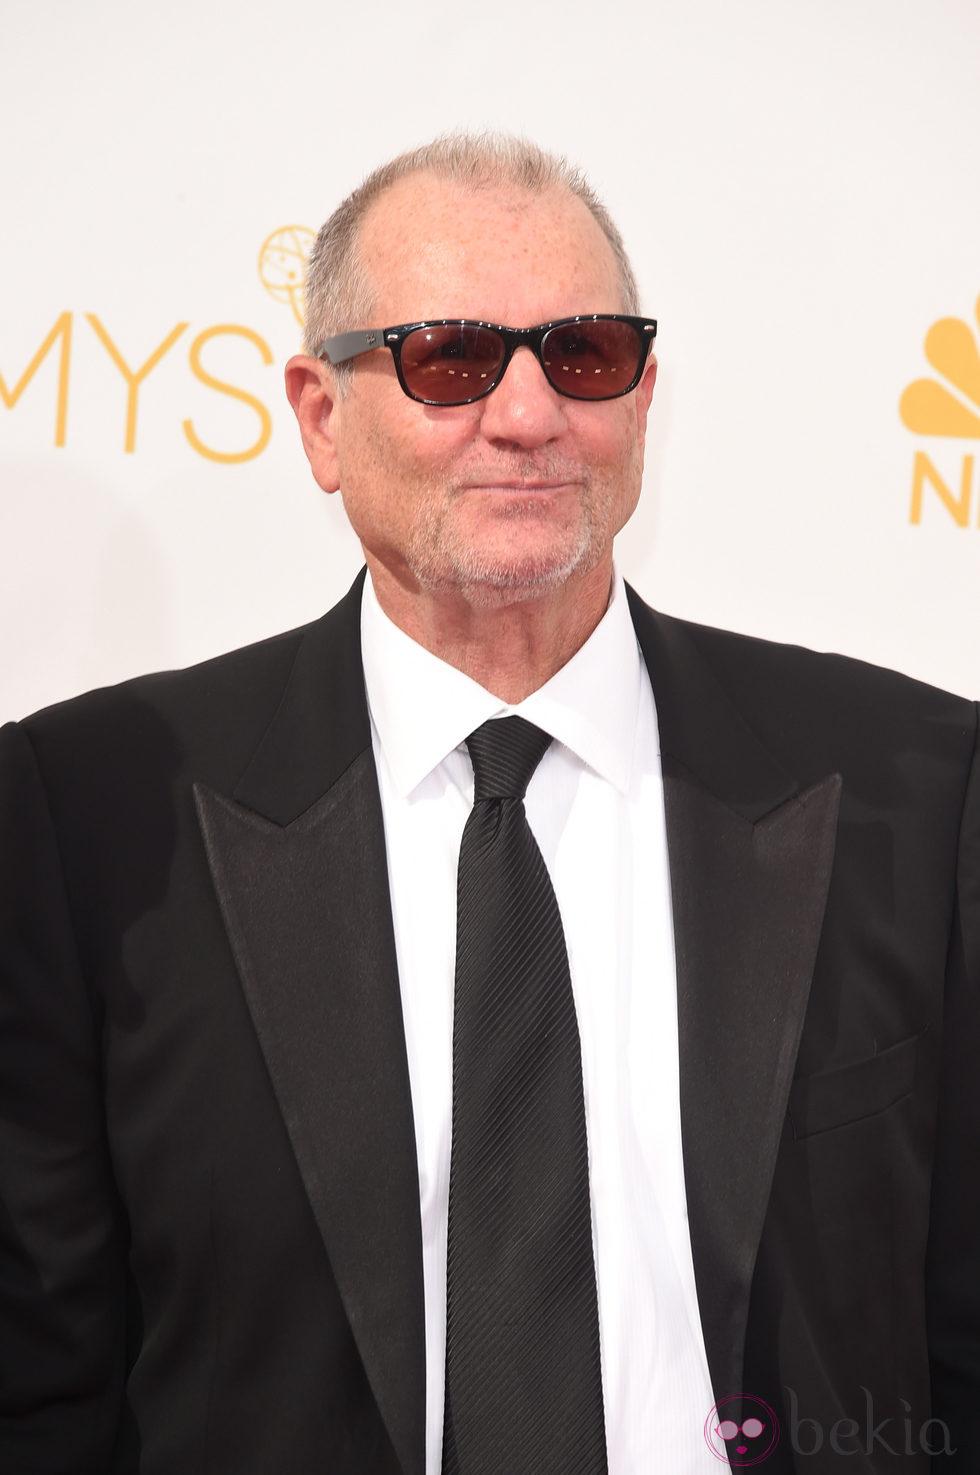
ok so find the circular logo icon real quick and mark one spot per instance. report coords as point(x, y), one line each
point(746, 1443)
point(282, 265)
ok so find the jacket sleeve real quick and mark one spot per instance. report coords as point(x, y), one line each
point(953, 1271)
point(62, 1259)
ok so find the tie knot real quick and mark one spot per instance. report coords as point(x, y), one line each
point(505, 752)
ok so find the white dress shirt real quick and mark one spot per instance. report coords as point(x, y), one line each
point(595, 805)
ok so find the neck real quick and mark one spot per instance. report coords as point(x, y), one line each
point(510, 643)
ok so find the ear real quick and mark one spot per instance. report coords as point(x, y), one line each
point(644, 394)
point(312, 392)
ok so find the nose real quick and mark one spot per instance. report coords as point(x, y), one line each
point(523, 410)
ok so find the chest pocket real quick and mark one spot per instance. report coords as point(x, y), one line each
point(833, 1098)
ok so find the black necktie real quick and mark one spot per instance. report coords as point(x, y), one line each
point(523, 1385)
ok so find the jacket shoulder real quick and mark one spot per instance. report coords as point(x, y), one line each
point(829, 710)
point(753, 664)
point(221, 705)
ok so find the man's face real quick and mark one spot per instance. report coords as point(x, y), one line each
point(508, 497)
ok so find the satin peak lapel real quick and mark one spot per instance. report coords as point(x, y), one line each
point(299, 866)
point(750, 864)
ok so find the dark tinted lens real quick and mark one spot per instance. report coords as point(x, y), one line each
point(451, 364)
point(592, 360)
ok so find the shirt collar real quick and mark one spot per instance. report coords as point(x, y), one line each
point(422, 708)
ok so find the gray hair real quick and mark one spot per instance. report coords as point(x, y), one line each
point(339, 295)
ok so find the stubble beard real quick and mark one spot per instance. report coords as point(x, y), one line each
point(443, 556)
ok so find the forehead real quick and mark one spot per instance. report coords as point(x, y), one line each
point(434, 248)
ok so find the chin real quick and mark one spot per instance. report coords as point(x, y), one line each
point(487, 579)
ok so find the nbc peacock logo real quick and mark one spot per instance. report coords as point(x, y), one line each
point(949, 407)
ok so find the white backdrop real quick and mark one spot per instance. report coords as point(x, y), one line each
point(797, 184)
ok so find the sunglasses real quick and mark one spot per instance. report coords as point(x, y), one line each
point(455, 361)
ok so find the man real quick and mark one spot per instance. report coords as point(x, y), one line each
point(236, 1125)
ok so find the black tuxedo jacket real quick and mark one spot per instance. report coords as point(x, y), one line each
point(209, 1216)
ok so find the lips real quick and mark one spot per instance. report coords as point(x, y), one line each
point(518, 486)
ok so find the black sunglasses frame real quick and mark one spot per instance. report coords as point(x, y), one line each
point(343, 347)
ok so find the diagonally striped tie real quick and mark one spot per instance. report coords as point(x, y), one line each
point(523, 1382)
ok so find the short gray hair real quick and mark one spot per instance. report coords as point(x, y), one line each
point(338, 292)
